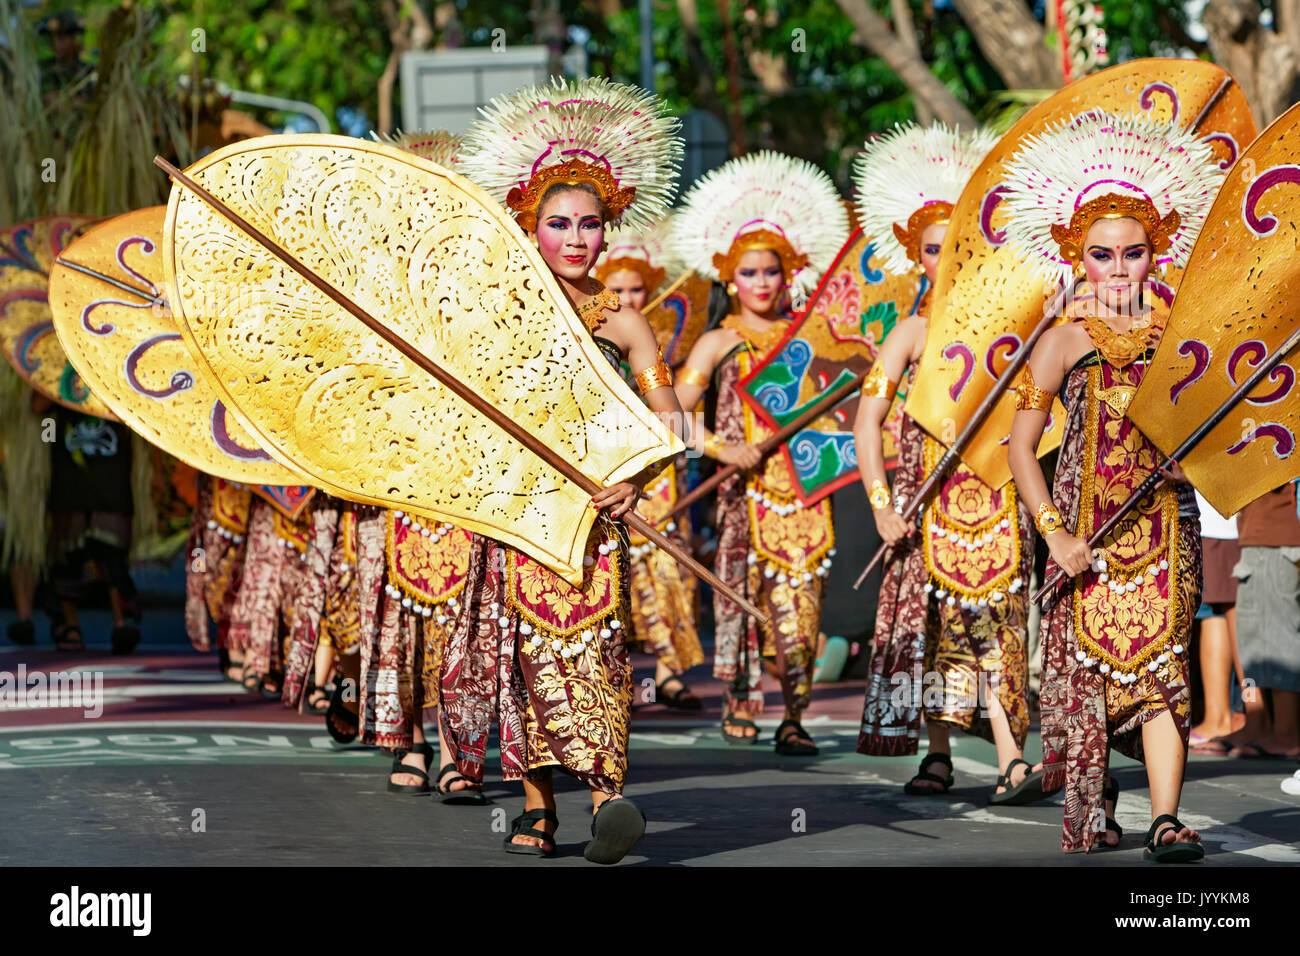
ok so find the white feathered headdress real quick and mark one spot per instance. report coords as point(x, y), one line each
point(616, 138)
point(645, 251)
point(1098, 165)
point(909, 179)
point(437, 146)
point(765, 200)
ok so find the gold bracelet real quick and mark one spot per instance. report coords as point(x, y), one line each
point(656, 376)
point(1048, 519)
point(877, 384)
point(693, 376)
point(879, 495)
point(713, 446)
point(1030, 397)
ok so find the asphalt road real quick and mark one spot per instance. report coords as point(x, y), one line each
point(181, 768)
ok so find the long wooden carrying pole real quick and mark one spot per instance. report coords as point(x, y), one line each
point(769, 444)
point(1156, 478)
point(918, 500)
point(507, 424)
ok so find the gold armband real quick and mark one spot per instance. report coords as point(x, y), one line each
point(656, 376)
point(693, 376)
point(877, 383)
point(879, 495)
point(1029, 396)
point(1048, 519)
point(713, 446)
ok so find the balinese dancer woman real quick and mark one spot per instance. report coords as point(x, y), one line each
point(664, 598)
point(551, 660)
point(1108, 197)
point(952, 600)
point(763, 224)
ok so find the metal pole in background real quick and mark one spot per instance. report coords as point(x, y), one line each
point(647, 45)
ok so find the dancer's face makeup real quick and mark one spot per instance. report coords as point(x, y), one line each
point(630, 288)
point(1116, 261)
point(759, 281)
point(570, 232)
point(931, 239)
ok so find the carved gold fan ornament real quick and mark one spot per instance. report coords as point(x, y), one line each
point(440, 265)
point(114, 324)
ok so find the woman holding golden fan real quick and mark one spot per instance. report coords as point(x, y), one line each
point(763, 224)
point(1100, 200)
point(952, 596)
point(552, 660)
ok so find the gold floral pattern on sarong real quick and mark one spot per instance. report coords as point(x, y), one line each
point(975, 551)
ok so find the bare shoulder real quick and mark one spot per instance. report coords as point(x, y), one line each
point(1064, 343)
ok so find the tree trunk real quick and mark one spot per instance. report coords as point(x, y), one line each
point(408, 29)
point(706, 81)
point(874, 33)
point(905, 30)
point(1265, 63)
point(1013, 41)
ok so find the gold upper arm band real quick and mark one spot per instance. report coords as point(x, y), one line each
point(1030, 396)
point(693, 376)
point(656, 376)
point(877, 383)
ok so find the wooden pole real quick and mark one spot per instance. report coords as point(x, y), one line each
point(768, 444)
point(115, 283)
point(659, 299)
point(1156, 478)
point(985, 408)
point(453, 384)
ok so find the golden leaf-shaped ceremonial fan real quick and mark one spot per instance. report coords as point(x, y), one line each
point(112, 320)
point(1236, 304)
point(26, 329)
point(440, 265)
point(987, 300)
point(678, 316)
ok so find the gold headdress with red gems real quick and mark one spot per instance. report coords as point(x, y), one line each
point(1097, 165)
point(617, 139)
point(909, 179)
point(765, 200)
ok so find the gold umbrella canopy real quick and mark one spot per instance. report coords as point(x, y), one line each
point(112, 320)
point(444, 267)
point(27, 336)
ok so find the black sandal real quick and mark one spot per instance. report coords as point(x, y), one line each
point(1170, 852)
point(614, 831)
point(945, 784)
point(423, 750)
point(676, 701)
point(471, 795)
point(795, 744)
point(522, 825)
point(318, 706)
point(251, 681)
point(63, 642)
point(340, 714)
point(22, 632)
point(739, 723)
point(271, 693)
point(1111, 793)
point(125, 639)
point(1028, 790)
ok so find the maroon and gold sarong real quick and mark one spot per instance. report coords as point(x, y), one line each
point(214, 557)
point(952, 612)
point(664, 599)
point(1114, 643)
point(775, 552)
point(547, 660)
